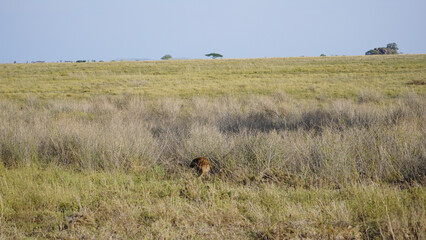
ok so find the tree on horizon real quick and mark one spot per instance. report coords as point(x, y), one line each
point(166, 57)
point(214, 55)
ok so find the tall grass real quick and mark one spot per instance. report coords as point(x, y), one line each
point(282, 168)
point(300, 143)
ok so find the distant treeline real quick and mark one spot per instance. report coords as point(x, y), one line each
point(78, 61)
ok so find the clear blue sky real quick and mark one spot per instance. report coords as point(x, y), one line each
point(53, 30)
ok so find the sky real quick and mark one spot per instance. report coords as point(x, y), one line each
point(54, 30)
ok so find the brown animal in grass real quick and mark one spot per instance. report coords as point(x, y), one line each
point(201, 164)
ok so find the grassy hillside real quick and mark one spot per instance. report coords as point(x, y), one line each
point(301, 148)
point(313, 77)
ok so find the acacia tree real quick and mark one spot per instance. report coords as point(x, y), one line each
point(166, 57)
point(213, 55)
point(392, 46)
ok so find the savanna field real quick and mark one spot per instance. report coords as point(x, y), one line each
point(300, 148)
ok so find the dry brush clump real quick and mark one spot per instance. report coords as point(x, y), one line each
point(275, 138)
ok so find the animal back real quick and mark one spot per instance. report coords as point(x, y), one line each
point(201, 164)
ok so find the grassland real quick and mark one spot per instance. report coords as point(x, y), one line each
point(314, 77)
point(301, 148)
